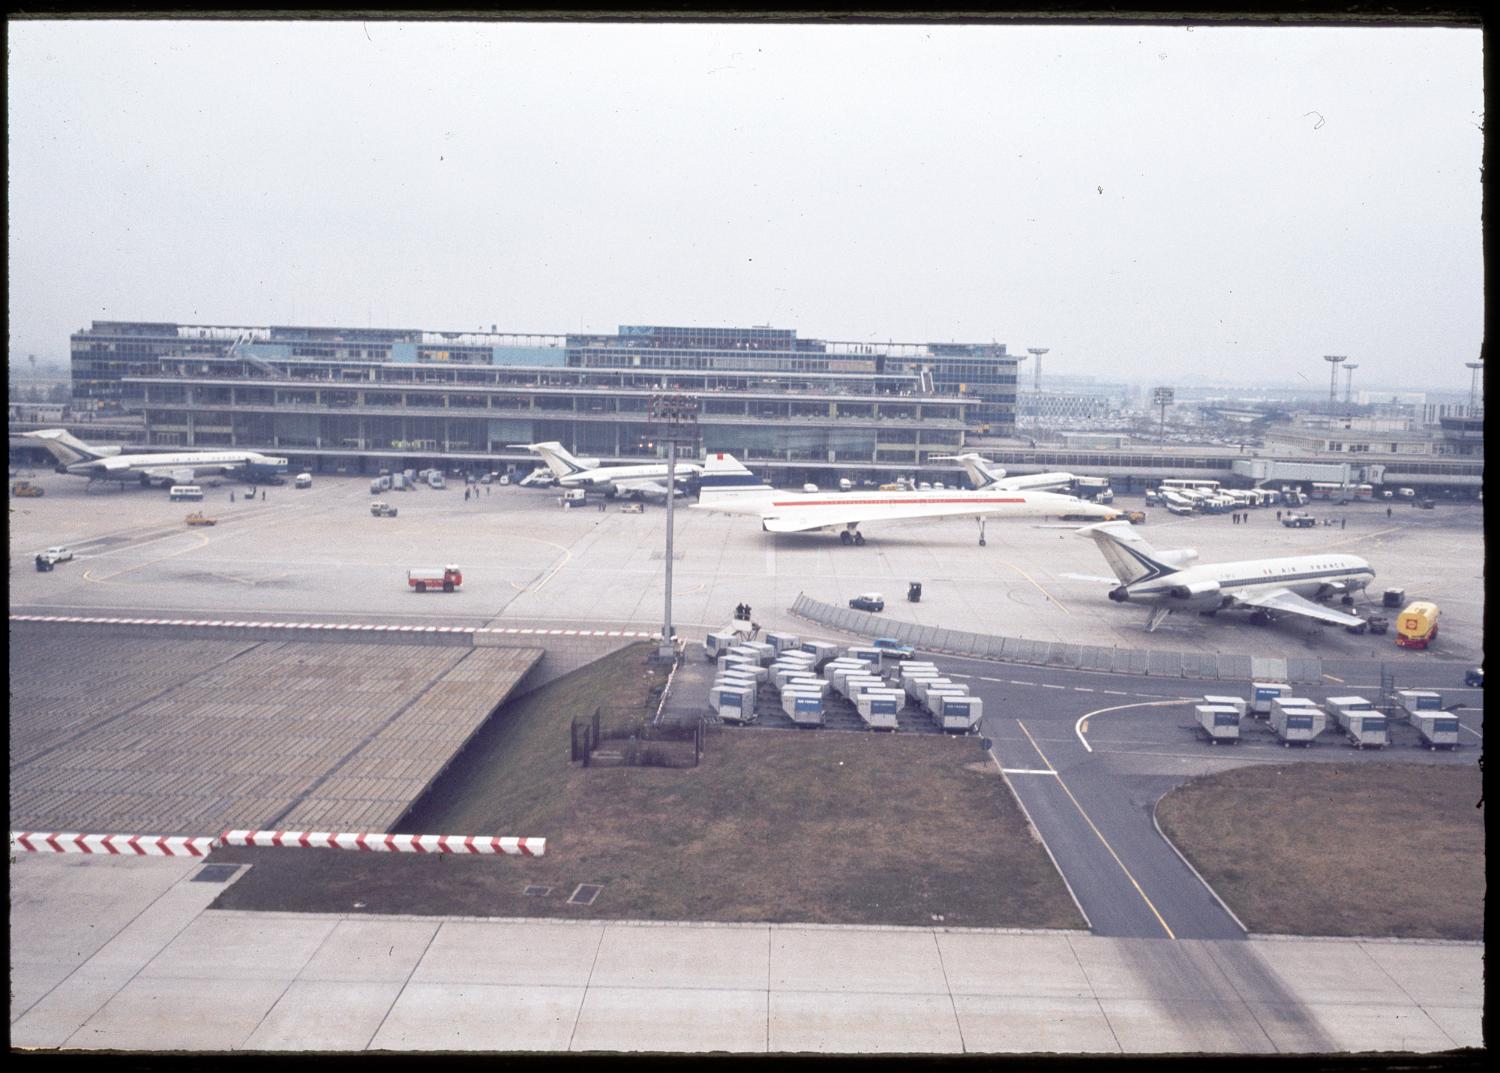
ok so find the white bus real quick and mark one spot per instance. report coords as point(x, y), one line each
point(184, 491)
point(1189, 484)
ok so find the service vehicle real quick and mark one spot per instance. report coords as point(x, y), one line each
point(1474, 677)
point(632, 508)
point(868, 601)
point(302, 480)
point(1135, 517)
point(1417, 625)
point(184, 492)
point(1298, 521)
point(893, 647)
point(1427, 504)
point(504, 478)
point(435, 480)
point(486, 478)
point(381, 509)
point(1406, 493)
point(399, 483)
point(571, 496)
point(199, 518)
point(59, 554)
point(26, 489)
point(446, 578)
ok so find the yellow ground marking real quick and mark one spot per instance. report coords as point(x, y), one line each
point(88, 575)
point(1039, 588)
point(1099, 834)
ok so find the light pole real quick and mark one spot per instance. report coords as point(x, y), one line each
point(1163, 397)
point(1474, 395)
point(1036, 390)
point(1349, 368)
point(1333, 379)
point(676, 421)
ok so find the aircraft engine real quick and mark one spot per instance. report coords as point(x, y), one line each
point(1180, 557)
point(1198, 596)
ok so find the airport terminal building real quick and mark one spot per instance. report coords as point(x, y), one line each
point(369, 396)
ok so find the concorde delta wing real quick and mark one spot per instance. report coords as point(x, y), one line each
point(806, 517)
point(1284, 601)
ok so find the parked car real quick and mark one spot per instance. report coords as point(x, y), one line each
point(1135, 517)
point(1474, 676)
point(868, 601)
point(382, 509)
point(59, 554)
point(1298, 521)
point(1377, 623)
point(632, 508)
point(199, 518)
point(893, 647)
point(304, 480)
point(1427, 504)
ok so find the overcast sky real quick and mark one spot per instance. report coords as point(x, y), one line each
point(1146, 202)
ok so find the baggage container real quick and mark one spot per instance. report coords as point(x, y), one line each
point(759, 651)
point(1363, 727)
point(916, 684)
point(1438, 730)
point(805, 709)
point(1287, 703)
point(1338, 706)
point(869, 653)
point(959, 715)
point(753, 670)
point(913, 667)
point(783, 642)
point(720, 641)
point(1413, 701)
point(1297, 724)
point(781, 673)
point(732, 704)
point(840, 669)
point(809, 684)
point(878, 708)
point(1221, 722)
point(855, 684)
point(1263, 693)
point(821, 651)
point(1239, 704)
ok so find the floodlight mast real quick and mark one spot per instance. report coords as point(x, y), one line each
point(1036, 389)
point(677, 419)
point(1349, 368)
point(1333, 379)
point(1476, 370)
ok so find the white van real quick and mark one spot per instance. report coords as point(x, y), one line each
point(303, 480)
point(185, 491)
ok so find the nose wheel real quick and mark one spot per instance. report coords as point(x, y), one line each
point(852, 536)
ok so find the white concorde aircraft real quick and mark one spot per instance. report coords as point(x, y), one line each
point(729, 488)
point(983, 474)
point(647, 478)
point(167, 467)
point(1167, 581)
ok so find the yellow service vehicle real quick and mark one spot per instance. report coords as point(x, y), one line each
point(1416, 626)
point(199, 518)
point(26, 488)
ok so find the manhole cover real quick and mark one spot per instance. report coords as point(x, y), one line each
point(216, 873)
point(585, 894)
point(534, 891)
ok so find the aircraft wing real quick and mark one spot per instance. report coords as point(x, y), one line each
point(1287, 602)
point(642, 486)
point(1035, 482)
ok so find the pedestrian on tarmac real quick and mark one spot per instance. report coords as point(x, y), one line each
point(1387, 512)
point(1343, 522)
point(466, 495)
point(1278, 515)
point(231, 495)
point(262, 495)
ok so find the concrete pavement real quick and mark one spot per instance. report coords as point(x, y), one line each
point(150, 968)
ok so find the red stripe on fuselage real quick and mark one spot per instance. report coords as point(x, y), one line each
point(890, 502)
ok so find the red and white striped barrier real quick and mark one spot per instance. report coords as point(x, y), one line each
point(522, 847)
point(117, 845)
point(510, 631)
point(182, 846)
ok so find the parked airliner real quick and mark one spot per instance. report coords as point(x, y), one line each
point(166, 467)
point(1167, 581)
point(729, 488)
point(984, 474)
point(640, 479)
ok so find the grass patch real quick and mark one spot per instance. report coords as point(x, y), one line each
point(780, 826)
point(1374, 849)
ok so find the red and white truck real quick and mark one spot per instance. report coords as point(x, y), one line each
point(423, 578)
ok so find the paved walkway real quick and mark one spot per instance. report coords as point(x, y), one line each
point(120, 953)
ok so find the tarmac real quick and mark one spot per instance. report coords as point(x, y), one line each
point(122, 954)
point(119, 953)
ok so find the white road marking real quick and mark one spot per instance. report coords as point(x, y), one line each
point(1026, 771)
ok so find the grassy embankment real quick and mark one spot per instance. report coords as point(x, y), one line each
point(797, 826)
point(1372, 849)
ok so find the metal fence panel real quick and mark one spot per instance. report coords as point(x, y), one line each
point(1268, 669)
point(925, 636)
point(1095, 658)
point(1139, 661)
point(1302, 669)
point(1234, 665)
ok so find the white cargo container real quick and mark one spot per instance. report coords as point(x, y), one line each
point(782, 672)
point(809, 683)
point(805, 709)
point(1438, 729)
point(869, 653)
point(855, 684)
point(750, 670)
point(879, 707)
point(959, 715)
point(821, 651)
point(1413, 701)
point(1297, 723)
point(933, 699)
point(731, 704)
point(916, 684)
point(759, 651)
point(1349, 704)
point(721, 641)
point(1363, 727)
point(1286, 703)
point(1221, 722)
point(1263, 693)
point(840, 669)
point(783, 642)
point(1239, 704)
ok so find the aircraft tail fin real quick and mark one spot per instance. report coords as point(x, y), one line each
point(981, 473)
point(558, 458)
point(725, 477)
point(1130, 557)
point(64, 446)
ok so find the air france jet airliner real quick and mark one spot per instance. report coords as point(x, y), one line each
point(730, 488)
point(167, 467)
point(643, 479)
point(1167, 581)
point(983, 474)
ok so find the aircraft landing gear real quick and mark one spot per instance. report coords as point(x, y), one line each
point(981, 532)
point(852, 536)
point(1259, 618)
point(859, 539)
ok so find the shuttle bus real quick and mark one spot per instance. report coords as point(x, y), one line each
point(1330, 490)
point(1189, 484)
